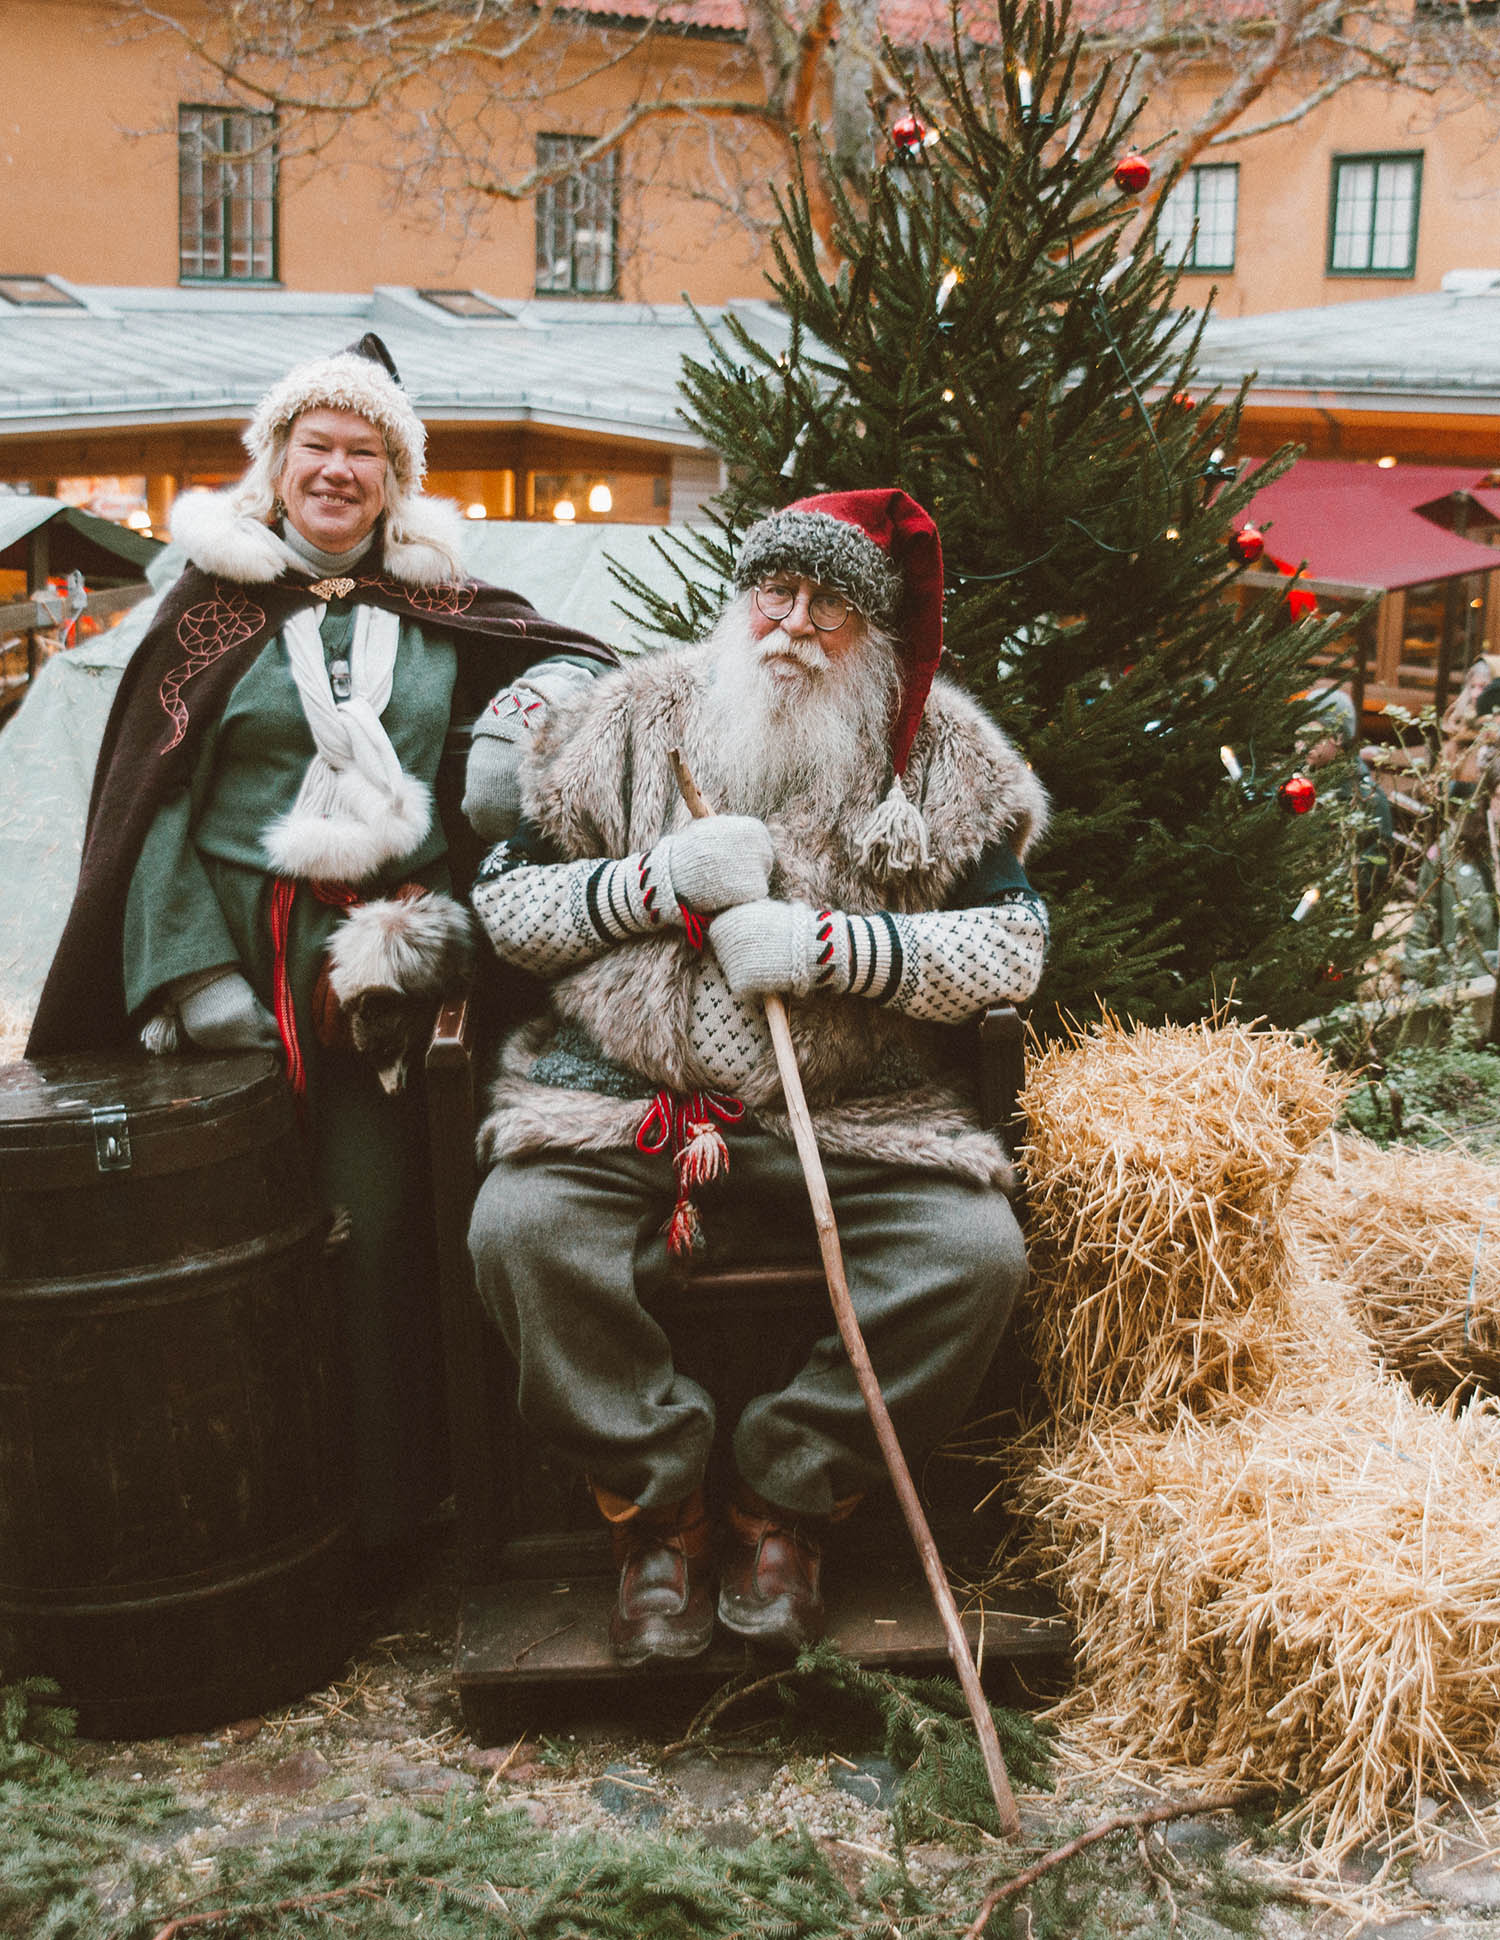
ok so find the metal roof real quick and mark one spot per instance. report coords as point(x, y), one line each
point(183, 356)
point(164, 356)
point(1438, 351)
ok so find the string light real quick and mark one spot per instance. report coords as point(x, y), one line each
point(1309, 900)
point(948, 399)
point(1023, 86)
point(789, 463)
point(946, 288)
point(1231, 763)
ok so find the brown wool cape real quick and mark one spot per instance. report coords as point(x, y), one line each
point(205, 637)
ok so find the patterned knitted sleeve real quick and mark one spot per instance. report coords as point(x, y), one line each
point(944, 966)
point(546, 915)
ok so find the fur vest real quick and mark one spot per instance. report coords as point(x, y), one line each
point(880, 1085)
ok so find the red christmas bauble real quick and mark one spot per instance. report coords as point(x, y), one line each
point(1132, 172)
point(1184, 400)
point(1296, 794)
point(1248, 544)
point(909, 135)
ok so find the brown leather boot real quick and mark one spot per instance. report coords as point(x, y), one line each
point(664, 1606)
point(770, 1585)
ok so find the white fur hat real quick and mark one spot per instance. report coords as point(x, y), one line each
point(361, 378)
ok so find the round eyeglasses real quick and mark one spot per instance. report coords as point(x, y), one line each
point(827, 611)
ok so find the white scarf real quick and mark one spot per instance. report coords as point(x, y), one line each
point(357, 807)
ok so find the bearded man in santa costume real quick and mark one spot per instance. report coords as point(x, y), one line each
point(264, 865)
point(865, 861)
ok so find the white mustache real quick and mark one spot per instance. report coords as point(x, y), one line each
point(806, 653)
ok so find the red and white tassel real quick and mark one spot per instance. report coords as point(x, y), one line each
point(684, 1229)
point(704, 1155)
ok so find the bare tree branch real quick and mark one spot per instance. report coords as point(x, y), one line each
point(458, 88)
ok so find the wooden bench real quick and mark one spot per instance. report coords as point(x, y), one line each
point(538, 1577)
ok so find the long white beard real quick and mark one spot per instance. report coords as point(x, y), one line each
point(765, 738)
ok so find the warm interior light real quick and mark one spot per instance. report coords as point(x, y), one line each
point(601, 498)
point(1385, 463)
point(1173, 533)
point(476, 510)
point(947, 397)
point(565, 511)
point(139, 520)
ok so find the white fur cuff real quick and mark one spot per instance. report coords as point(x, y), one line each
point(362, 829)
point(423, 945)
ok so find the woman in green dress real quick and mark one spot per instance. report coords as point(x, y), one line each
point(264, 848)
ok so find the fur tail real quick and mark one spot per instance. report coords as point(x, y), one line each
point(417, 941)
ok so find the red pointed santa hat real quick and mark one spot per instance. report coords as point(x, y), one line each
point(880, 550)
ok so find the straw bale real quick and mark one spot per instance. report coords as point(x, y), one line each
point(1307, 1593)
point(1160, 1161)
point(1417, 1236)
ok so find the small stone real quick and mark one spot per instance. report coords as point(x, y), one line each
point(1419, 1928)
point(1198, 1838)
point(404, 1777)
point(626, 1792)
point(321, 1815)
point(241, 1732)
point(255, 1779)
point(873, 1781)
point(713, 1784)
point(515, 1762)
point(728, 1835)
point(1467, 1875)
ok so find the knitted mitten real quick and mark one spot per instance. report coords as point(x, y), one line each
point(492, 778)
point(767, 946)
point(717, 862)
point(226, 1015)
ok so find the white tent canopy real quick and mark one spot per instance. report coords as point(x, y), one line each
point(48, 748)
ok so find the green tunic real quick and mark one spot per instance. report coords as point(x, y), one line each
point(200, 897)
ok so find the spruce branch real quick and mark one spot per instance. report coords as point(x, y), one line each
point(1136, 1822)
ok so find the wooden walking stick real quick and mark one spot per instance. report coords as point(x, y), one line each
point(864, 1374)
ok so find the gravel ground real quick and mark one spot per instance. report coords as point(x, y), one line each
point(389, 1735)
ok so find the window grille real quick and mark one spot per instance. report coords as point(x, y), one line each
point(1373, 215)
point(1196, 227)
point(577, 220)
point(227, 189)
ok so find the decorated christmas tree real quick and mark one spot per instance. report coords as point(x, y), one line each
point(1002, 339)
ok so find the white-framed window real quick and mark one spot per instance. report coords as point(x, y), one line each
point(577, 221)
point(226, 195)
point(1196, 225)
point(1373, 212)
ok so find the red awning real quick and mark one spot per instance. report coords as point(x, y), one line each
point(1359, 525)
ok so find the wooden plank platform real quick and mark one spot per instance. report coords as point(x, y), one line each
point(532, 1648)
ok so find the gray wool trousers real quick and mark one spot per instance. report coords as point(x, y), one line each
point(568, 1249)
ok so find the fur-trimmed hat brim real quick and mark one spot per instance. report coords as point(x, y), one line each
point(348, 381)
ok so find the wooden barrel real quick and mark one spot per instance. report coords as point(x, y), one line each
point(175, 1499)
